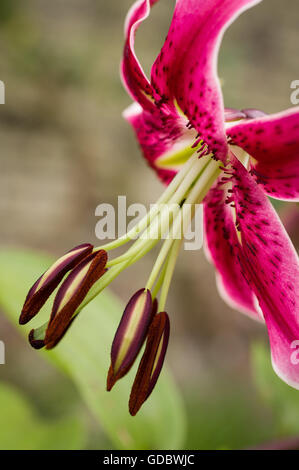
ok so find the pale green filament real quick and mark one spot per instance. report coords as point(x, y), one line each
point(170, 265)
point(159, 282)
point(195, 196)
point(160, 222)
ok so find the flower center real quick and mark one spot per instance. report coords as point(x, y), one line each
point(167, 220)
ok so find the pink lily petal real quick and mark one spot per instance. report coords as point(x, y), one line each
point(132, 74)
point(158, 136)
point(272, 268)
point(224, 250)
point(186, 68)
point(273, 141)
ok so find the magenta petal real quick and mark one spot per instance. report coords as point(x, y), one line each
point(158, 134)
point(273, 269)
point(186, 68)
point(273, 142)
point(132, 73)
point(223, 248)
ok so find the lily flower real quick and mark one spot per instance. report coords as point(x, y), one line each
point(179, 111)
point(227, 159)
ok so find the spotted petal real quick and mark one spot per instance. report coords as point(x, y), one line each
point(224, 250)
point(165, 142)
point(272, 268)
point(186, 68)
point(273, 142)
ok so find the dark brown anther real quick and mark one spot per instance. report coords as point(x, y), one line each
point(130, 335)
point(72, 293)
point(47, 283)
point(151, 362)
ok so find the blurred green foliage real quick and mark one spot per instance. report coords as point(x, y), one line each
point(8, 9)
point(22, 429)
point(282, 400)
point(228, 418)
point(84, 356)
point(233, 418)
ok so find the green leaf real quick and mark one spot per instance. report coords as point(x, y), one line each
point(233, 418)
point(21, 429)
point(84, 354)
point(283, 399)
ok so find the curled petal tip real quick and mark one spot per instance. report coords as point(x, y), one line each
point(232, 114)
point(251, 113)
point(72, 293)
point(47, 283)
point(130, 335)
point(151, 363)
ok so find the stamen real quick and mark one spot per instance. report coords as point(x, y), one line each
point(130, 335)
point(169, 270)
point(151, 362)
point(166, 218)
